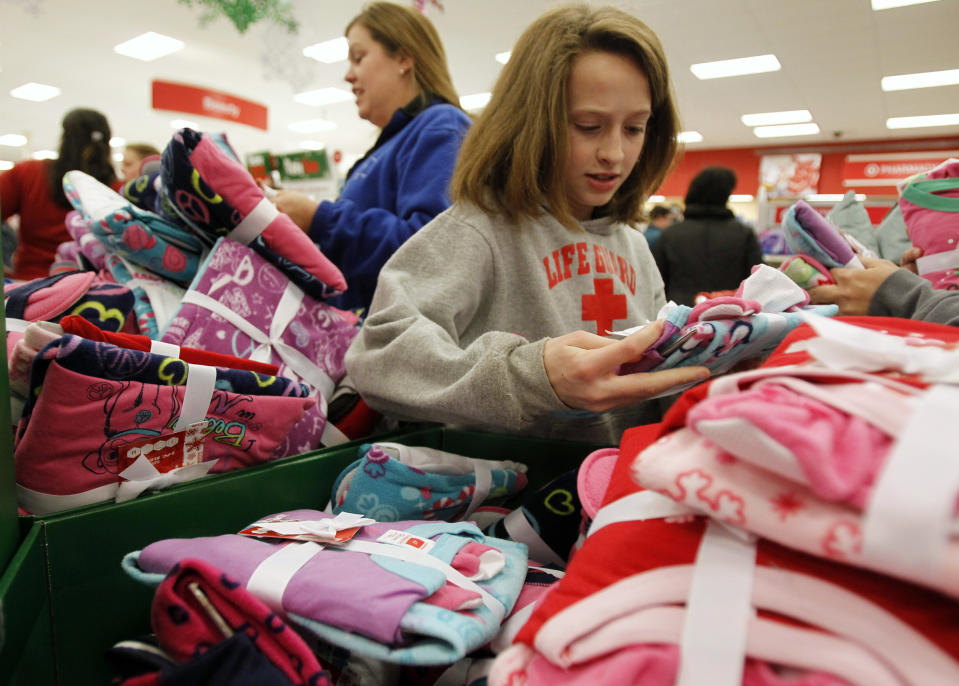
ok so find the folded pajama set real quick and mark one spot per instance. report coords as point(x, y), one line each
point(87, 399)
point(391, 602)
point(198, 610)
point(930, 209)
point(818, 244)
point(659, 594)
point(721, 332)
point(392, 482)
point(240, 304)
point(212, 192)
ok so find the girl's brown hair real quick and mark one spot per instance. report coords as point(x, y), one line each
point(403, 30)
point(513, 158)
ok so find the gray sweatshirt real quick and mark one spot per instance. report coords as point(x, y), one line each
point(463, 309)
point(904, 294)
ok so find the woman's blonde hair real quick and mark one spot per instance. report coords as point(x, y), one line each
point(404, 31)
point(513, 158)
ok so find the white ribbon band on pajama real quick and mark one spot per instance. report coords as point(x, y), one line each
point(131, 488)
point(39, 503)
point(938, 262)
point(18, 325)
point(908, 518)
point(86, 239)
point(289, 303)
point(167, 349)
point(271, 577)
point(331, 435)
point(519, 529)
point(637, 507)
point(254, 223)
point(481, 488)
point(197, 395)
point(712, 648)
point(855, 262)
point(426, 560)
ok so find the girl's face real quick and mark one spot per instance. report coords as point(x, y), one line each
point(130, 166)
point(381, 83)
point(609, 106)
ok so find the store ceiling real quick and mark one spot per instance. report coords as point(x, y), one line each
point(833, 55)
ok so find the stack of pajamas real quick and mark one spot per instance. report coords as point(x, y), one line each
point(390, 602)
point(930, 209)
point(787, 525)
point(96, 397)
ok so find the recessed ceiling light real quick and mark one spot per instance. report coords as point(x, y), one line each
point(736, 197)
point(312, 126)
point(312, 145)
point(44, 155)
point(118, 157)
point(886, 4)
point(476, 101)
point(184, 124)
point(117, 142)
point(773, 118)
point(5, 165)
point(736, 67)
point(926, 79)
point(786, 130)
point(329, 51)
point(323, 96)
point(926, 120)
point(503, 57)
point(657, 198)
point(13, 140)
point(689, 137)
point(148, 46)
point(37, 92)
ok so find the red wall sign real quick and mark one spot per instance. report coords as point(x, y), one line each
point(193, 100)
point(888, 169)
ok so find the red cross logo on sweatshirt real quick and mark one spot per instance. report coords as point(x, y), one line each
point(604, 307)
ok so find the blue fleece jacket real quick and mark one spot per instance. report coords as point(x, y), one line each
point(399, 186)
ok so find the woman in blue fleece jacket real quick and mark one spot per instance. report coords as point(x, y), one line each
point(401, 81)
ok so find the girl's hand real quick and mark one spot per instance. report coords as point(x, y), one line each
point(582, 368)
point(908, 259)
point(854, 288)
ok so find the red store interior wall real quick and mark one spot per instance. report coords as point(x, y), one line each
point(745, 161)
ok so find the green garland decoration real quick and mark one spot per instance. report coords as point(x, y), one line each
point(243, 13)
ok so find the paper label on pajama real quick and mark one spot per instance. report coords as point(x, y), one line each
point(335, 530)
point(404, 539)
point(166, 452)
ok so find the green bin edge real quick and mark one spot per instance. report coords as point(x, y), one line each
point(95, 604)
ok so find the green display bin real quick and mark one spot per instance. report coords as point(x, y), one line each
point(94, 603)
point(26, 636)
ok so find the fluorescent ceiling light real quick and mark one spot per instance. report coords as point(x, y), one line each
point(786, 130)
point(886, 4)
point(37, 92)
point(312, 126)
point(773, 118)
point(926, 79)
point(118, 157)
point(13, 140)
point(312, 145)
point(44, 155)
point(323, 96)
point(740, 198)
point(5, 165)
point(657, 198)
point(831, 197)
point(927, 120)
point(329, 51)
point(503, 57)
point(148, 46)
point(689, 137)
point(184, 124)
point(736, 67)
point(476, 101)
point(117, 142)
